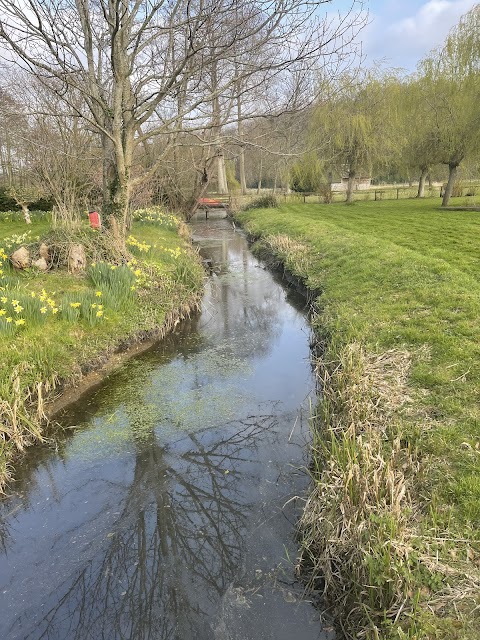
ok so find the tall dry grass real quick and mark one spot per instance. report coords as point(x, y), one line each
point(362, 542)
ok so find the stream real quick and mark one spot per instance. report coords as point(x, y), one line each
point(167, 508)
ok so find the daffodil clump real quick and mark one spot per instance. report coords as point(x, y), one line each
point(20, 308)
point(16, 240)
point(116, 284)
point(172, 253)
point(85, 305)
point(155, 215)
point(3, 260)
point(136, 245)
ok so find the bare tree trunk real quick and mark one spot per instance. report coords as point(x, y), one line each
point(421, 184)
point(222, 186)
point(241, 172)
point(241, 157)
point(217, 129)
point(350, 184)
point(26, 213)
point(260, 175)
point(452, 175)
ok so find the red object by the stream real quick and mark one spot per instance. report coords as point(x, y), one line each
point(94, 218)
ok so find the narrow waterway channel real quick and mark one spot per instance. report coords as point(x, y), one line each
point(167, 509)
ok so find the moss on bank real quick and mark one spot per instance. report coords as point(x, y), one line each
point(73, 323)
point(390, 532)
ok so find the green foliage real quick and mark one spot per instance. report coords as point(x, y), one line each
point(307, 174)
point(355, 122)
point(114, 284)
point(450, 80)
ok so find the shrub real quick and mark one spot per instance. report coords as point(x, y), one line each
point(325, 192)
point(457, 190)
point(265, 202)
point(99, 247)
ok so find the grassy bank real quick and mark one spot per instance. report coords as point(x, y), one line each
point(55, 325)
point(391, 526)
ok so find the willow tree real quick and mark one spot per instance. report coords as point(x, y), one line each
point(130, 60)
point(419, 145)
point(352, 124)
point(452, 84)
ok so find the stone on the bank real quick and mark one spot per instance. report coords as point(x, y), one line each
point(21, 258)
point(44, 252)
point(41, 264)
point(77, 260)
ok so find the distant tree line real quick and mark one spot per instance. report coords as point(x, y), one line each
point(384, 124)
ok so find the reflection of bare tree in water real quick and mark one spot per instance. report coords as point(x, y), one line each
point(176, 546)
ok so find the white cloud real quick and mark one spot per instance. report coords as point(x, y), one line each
point(403, 41)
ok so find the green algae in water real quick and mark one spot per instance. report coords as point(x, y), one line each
point(186, 394)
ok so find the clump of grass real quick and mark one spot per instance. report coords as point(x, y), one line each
point(21, 413)
point(294, 254)
point(363, 543)
point(185, 272)
point(361, 492)
point(115, 284)
point(264, 202)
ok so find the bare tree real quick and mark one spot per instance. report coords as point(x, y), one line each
point(131, 60)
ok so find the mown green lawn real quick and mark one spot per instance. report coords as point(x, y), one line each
point(406, 275)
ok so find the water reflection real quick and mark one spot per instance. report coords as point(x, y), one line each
point(161, 515)
point(175, 547)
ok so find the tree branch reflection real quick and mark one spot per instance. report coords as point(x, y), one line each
point(176, 547)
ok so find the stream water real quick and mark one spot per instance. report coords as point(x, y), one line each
point(167, 510)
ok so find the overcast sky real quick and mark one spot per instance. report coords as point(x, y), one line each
point(403, 31)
